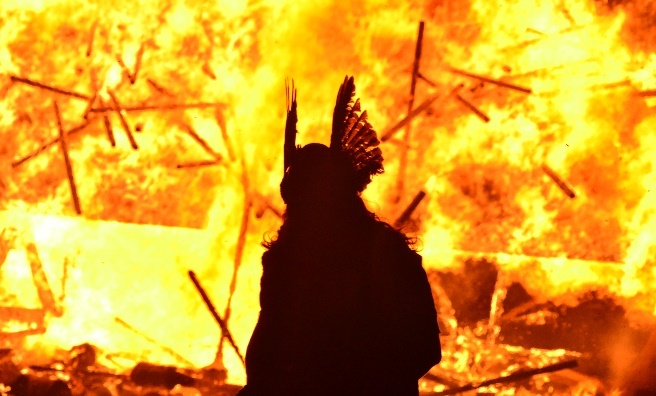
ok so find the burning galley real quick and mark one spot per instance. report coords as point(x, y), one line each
point(139, 174)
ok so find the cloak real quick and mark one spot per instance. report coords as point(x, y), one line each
point(345, 310)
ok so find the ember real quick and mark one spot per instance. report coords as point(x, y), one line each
point(167, 126)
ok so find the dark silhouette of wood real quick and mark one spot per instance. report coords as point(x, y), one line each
point(473, 108)
point(50, 143)
point(222, 324)
point(67, 162)
point(49, 88)
point(124, 123)
point(391, 131)
point(409, 210)
point(92, 36)
point(198, 164)
point(491, 81)
point(165, 348)
point(514, 377)
point(403, 155)
point(194, 135)
point(560, 182)
point(167, 106)
point(87, 110)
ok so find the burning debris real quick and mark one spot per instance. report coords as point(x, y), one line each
point(407, 212)
point(422, 107)
point(49, 88)
point(562, 184)
point(491, 81)
point(517, 376)
point(403, 157)
point(78, 372)
point(118, 109)
point(67, 161)
point(577, 334)
point(473, 108)
point(225, 333)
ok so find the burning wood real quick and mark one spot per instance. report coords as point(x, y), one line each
point(166, 349)
point(611, 85)
point(146, 374)
point(473, 108)
point(125, 69)
point(445, 312)
point(79, 373)
point(591, 88)
point(549, 261)
point(491, 80)
point(403, 157)
point(33, 385)
point(92, 35)
point(208, 71)
point(514, 377)
point(391, 131)
point(191, 132)
point(441, 379)
point(49, 88)
point(34, 318)
point(18, 336)
point(405, 215)
point(8, 238)
point(415, 66)
point(108, 126)
point(9, 370)
point(137, 63)
point(241, 240)
point(44, 291)
point(222, 324)
point(67, 162)
point(52, 142)
point(64, 280)
point(519, 310)
point(117, 108)
point(267, 205)
point(82, 357)
point(170, 106)
point(427, 80)
point(220, 120)
point(198, 164)
point(467, 103)
point(158, 87)
point(560, 182)
point(92, 101)
point(132, 76)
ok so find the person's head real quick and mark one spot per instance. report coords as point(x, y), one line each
point(322, 184)
point(320, 176)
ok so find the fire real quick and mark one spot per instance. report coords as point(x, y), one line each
point(200, 88)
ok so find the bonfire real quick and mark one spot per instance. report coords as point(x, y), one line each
point(141, 144)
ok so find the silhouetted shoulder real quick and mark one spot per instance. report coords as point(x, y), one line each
point(404, 309)
point(392, 244)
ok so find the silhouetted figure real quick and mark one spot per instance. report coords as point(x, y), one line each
point(346, 308)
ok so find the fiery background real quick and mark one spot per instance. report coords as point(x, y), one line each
point(200, 86)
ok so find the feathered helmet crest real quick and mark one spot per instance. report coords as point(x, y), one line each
point(353, 139)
